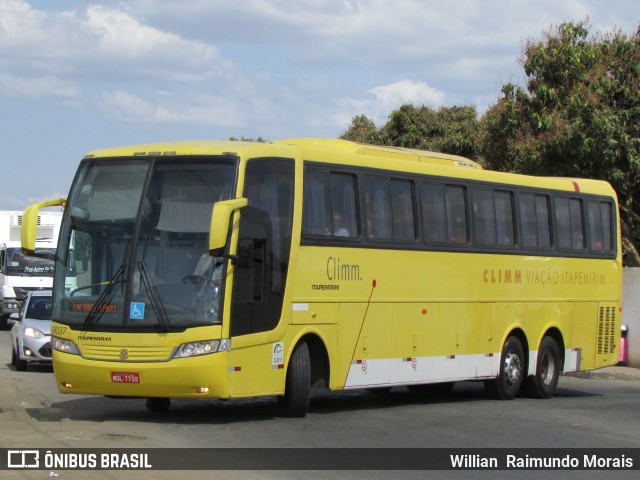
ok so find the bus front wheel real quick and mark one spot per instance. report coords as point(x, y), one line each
point(510, 375)
point(297, 389)
point(545, 381)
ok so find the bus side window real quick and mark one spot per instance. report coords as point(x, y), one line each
point(455, 198)
point(343, 205)
point(568, 212)
point(404, 223)
point(434, 215)
point(599, 225)
point(378, 208)
point(316, 213)
point(505, 233)
point(484, 217)
point(534, 220)
point(329, 205)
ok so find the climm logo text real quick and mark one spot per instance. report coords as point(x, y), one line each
point(339, 271)
point(499, 275)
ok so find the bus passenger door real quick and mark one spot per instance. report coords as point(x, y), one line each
point(259, 278)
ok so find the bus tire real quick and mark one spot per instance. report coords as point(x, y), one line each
point(510, 375)
point(543, 384)
point(158, 404)
point(297, 389)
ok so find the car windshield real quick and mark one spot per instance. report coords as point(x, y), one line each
point(40, 265)
point(39, 308)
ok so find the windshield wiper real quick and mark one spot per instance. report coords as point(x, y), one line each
point(97, 310)
point(156, 302)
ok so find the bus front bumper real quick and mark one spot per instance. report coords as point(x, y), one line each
point(203, 376)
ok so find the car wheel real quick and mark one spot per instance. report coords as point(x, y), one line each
point(21, 365)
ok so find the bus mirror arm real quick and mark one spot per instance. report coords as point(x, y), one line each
point(234, 258)
point(220, 220)
point(28, 229)
point(219, 253)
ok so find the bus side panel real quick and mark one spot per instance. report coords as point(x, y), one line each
point(256, 366)
point(364, 344)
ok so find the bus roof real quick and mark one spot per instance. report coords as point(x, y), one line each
point(202, 147)
point(374, 156)
point(382, 151)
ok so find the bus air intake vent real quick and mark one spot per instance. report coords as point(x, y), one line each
point(606, 330)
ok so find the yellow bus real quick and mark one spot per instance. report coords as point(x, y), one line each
point(237, 269)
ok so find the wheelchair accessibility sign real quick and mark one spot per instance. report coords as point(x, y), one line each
point(136, 311)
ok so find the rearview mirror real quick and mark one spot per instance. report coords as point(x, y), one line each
point(220, 217)
point(29, 227)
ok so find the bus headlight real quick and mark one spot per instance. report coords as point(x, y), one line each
point(64, 345)
point(204, 347)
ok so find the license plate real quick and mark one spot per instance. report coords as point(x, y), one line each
point(125, 377)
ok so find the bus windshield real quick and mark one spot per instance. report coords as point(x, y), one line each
point(134, 244)
point(41, 265)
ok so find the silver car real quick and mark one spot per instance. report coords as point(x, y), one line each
point(31, 331)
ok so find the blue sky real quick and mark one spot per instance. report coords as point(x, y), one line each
point(77, 75)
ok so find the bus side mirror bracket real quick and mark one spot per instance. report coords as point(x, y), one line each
point(220, 219)
point(29, 227)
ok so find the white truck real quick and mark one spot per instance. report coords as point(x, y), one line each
point(20, 274)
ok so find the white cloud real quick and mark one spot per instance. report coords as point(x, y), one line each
point(382, 100)
point(98, 43)
point(40, 87)
point(163, 108)
point(407, 91)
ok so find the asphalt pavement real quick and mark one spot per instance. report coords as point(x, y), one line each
point(610, 373)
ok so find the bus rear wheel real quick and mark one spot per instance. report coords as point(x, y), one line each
point(510, 375)
point(297, 389)
point(543, 384)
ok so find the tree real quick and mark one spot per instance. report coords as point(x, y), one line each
point(363, 130)
point(449, 129)
point(578, 117)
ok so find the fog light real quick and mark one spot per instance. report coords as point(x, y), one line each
point(202, 389)
point(67, 385)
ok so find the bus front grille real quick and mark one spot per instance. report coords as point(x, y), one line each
point(126, 354)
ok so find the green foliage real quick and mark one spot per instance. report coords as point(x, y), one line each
point(579, 115)
point(362, 130)
point(448, 129)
